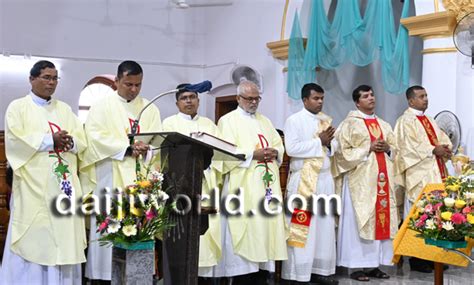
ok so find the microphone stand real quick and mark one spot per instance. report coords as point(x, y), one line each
point(135, 127)
point(137, 120)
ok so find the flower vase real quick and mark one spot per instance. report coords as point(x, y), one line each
point(446, 243)
point(133, 263)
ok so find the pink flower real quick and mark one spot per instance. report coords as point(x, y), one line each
point(466, 210)
point(458, 218)
point(104, 225)
point(428, 208)
point(150, 214)
point(437, 206)
point(423, 218)
point(420, 223)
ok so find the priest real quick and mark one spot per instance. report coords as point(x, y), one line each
point(43, 138)
point(110, 160)
point(364, 169)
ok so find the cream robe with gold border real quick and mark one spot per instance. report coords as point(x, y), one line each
point(354, 160)
point(210, 243)
point(416, 165)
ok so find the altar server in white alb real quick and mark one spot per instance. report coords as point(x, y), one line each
point(312, 241)
point(42, 140)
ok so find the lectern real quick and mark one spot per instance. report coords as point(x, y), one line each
point(184, 160)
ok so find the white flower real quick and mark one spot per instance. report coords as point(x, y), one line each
point(420, 204)
point(449, 202)
point(162, 196)
point(142, 197)
point(129, 230)
point(113, 227)
point(430, 224)
point(469, 195)
point(448, 226)
point(421, 210)
point(155, 175)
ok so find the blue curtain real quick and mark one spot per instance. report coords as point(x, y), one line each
point(351, 38)
point(297, 76)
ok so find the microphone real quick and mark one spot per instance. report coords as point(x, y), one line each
point(201, 87)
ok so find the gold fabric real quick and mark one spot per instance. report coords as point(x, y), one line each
point(407, 243)
point(308, 181)
point(415, 165)
point(353, 159)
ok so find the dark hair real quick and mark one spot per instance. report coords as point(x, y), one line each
point(306, 90)
point(411, 91)
point(360, 88)
point(40, 65)
point(129, 67)
point(182, 91)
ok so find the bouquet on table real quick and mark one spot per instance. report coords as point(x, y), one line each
point(138, 214)
point(445, 218)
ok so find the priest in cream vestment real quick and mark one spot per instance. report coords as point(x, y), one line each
point(45, 244)
point(364, 169)
point(308, 141)
point(109, 161)
point(253, 239)
point(423, 146)
point(187, 121)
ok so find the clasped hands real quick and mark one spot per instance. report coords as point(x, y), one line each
point(265, 154)
point(63, 141)
point(138, 148)
point(327, 136)
point(379, 145)
point(443, 151)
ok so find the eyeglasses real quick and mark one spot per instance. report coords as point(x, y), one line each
point(251, 99)
point(48, 78)
point(186, 98)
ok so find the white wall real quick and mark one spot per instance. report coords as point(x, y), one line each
point(200, 42)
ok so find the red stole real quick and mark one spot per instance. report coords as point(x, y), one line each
point(382, 205)
point(430, 132)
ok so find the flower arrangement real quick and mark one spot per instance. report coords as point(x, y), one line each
point(138, 214)
point(447, 215)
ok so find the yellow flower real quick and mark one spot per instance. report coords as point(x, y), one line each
point(144, 183)
point(460, 204)
point(446, 216)
point(132, 189)
point(470, 218)
point(120, 214)
point(453, 187)
point(136, 212)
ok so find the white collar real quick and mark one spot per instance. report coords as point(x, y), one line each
point(365, 116)
point(123, 99)
point(245, 113)
point(314, 116)
point(38, 100)
point(188, 117)
point(417, 112)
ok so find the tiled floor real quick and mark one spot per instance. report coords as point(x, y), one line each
point(453, 276)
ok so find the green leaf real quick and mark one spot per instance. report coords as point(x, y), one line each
point(61, 169)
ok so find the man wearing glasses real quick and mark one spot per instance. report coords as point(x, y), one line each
point(187, 121)
point(254, 239)
point(43, 138)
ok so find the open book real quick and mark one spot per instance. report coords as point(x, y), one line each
point(214, 141)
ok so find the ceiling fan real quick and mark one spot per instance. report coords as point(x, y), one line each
point(184, 4)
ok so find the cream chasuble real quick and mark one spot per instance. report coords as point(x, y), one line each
point(210, 243)
point(38, 235)
point(354, 160)
point(256, 237)
point(416, 164)
point(108, 123)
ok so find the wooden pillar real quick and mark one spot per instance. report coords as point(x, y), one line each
point(4, 213)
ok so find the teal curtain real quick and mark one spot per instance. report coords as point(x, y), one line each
point(297, 76)
point(361, 41)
